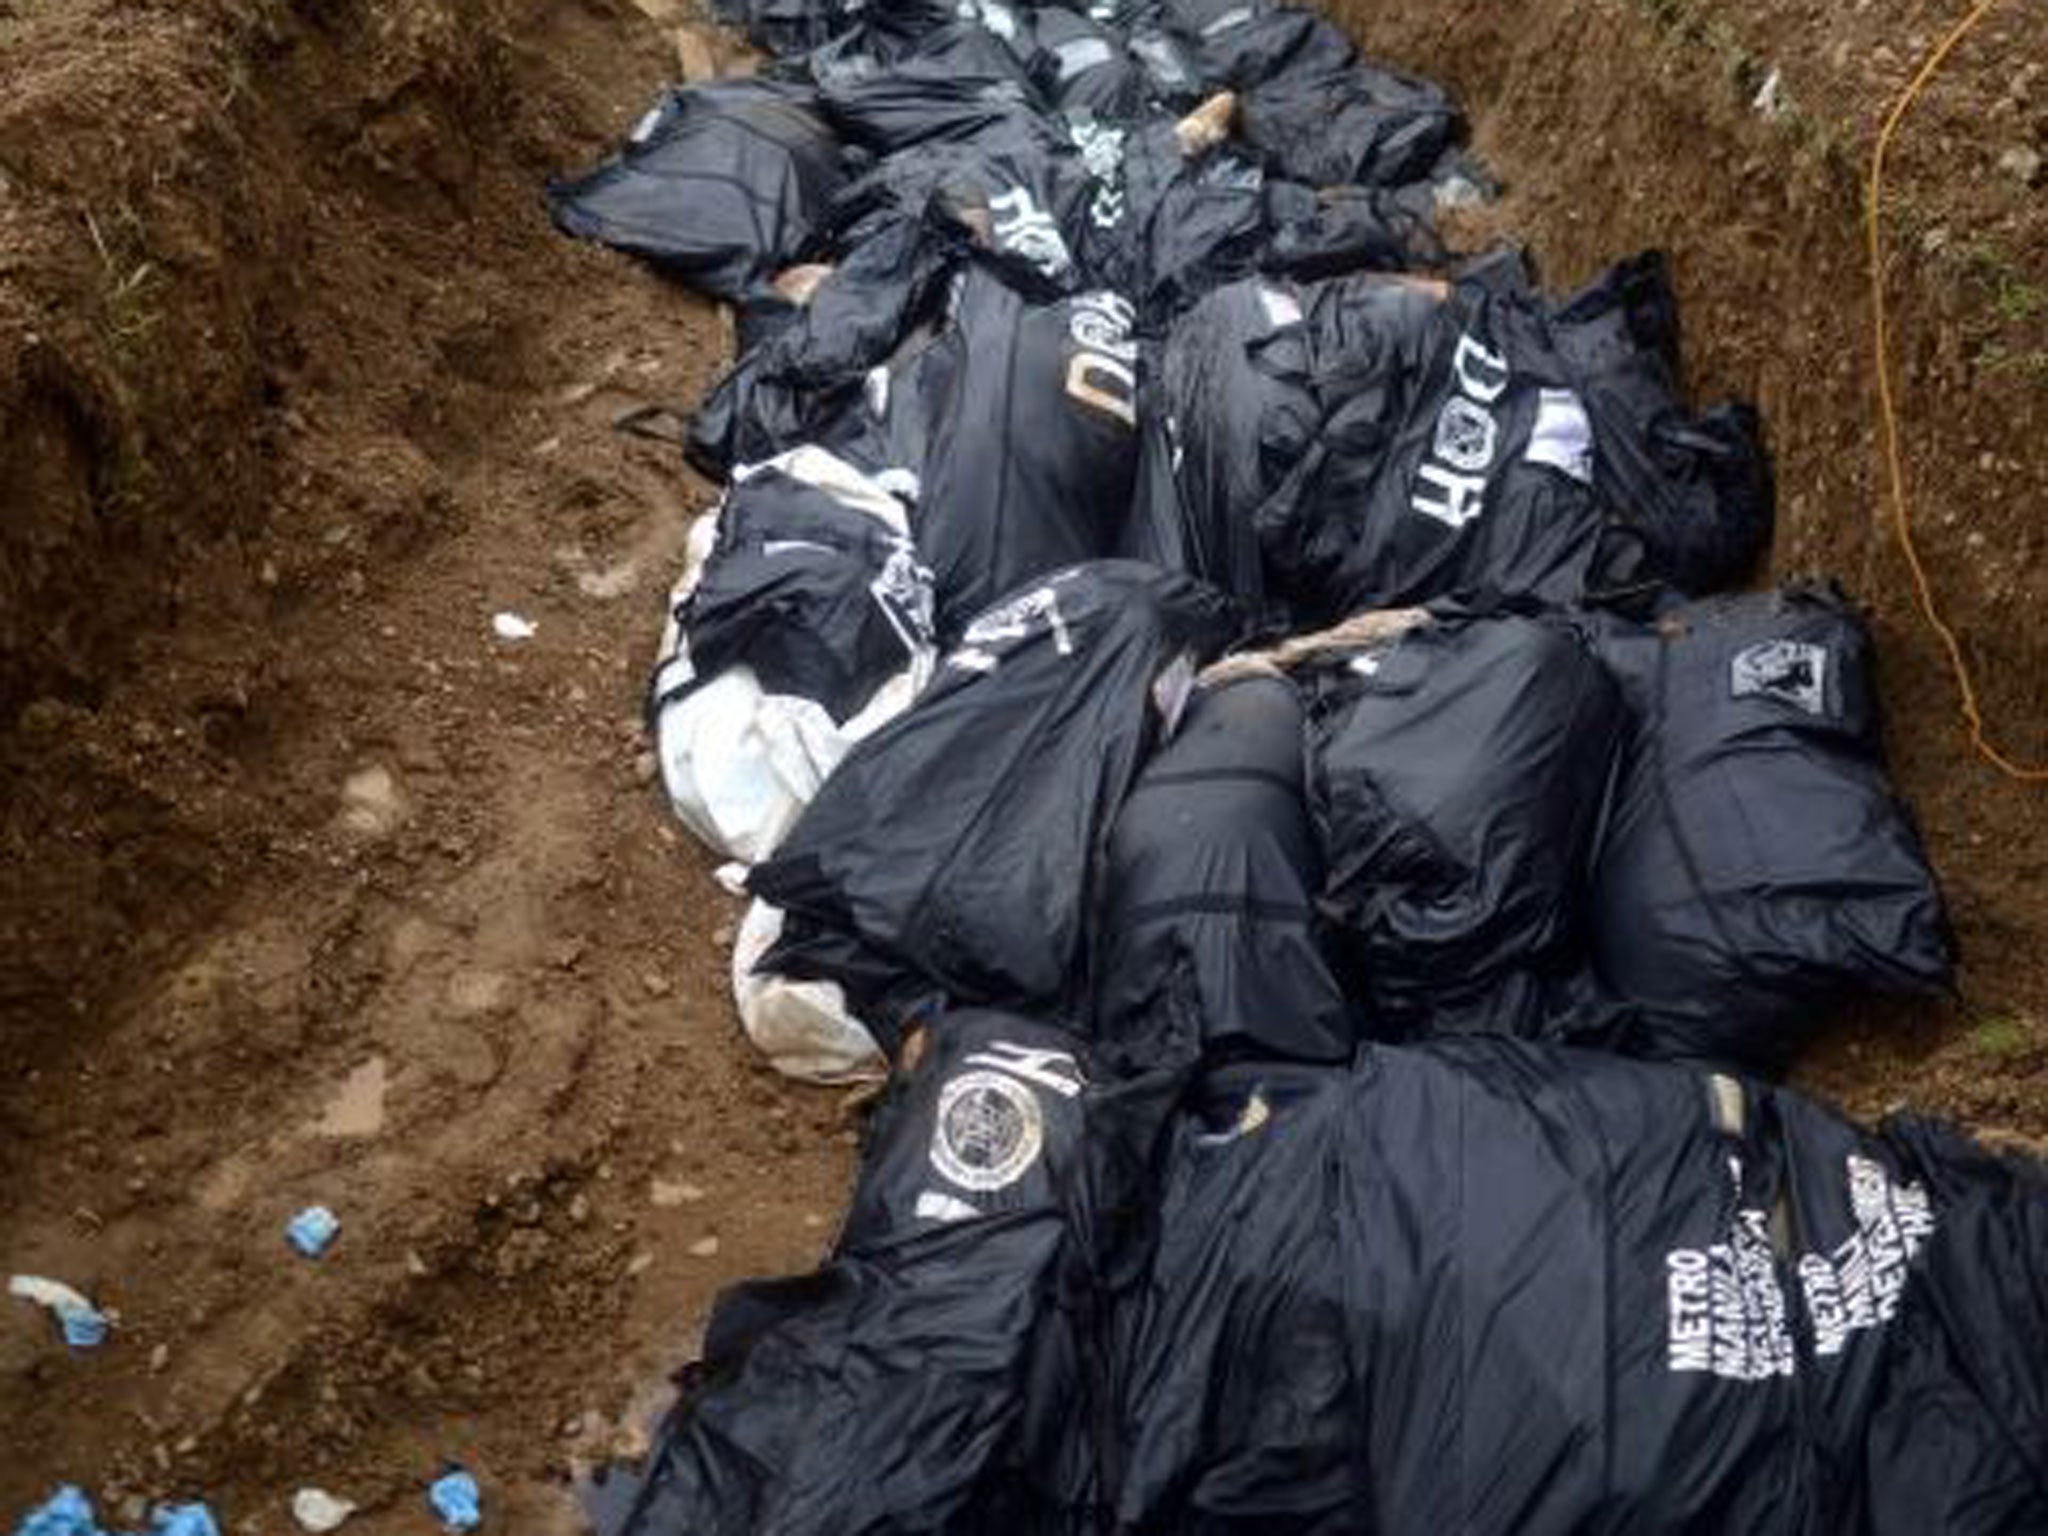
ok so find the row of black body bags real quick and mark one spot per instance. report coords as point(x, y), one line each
point(1677, 837)
point(1512, 1289)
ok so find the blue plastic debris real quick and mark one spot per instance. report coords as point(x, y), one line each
point(312, 1230)
point(83, 1324)
point(457, 1500)
point(183, 1520)
point(84, 1327)
point(68, 1512)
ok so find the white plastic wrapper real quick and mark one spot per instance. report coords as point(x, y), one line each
point(802, 1027)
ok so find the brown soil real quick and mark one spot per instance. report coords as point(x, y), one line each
point(313, 889)
point(316, 890)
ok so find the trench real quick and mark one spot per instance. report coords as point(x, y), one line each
point(317, 890)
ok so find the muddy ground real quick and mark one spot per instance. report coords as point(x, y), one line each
point(314, 889)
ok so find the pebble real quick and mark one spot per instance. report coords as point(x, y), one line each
point(2023, 161)
point(371, 804)
point(318, 1510)
point(657, 985)
point(668, 1196)
point(704, 1248)
point(159, 1357)
point(463, 1054)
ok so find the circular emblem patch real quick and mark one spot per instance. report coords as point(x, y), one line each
point(990, 1130)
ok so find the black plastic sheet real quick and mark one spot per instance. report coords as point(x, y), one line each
point(1209, 895)
point(1458, 776)
point(721, 185)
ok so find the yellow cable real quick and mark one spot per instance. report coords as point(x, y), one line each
point(1881, 339)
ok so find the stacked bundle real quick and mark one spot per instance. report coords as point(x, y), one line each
point(1270, 1143)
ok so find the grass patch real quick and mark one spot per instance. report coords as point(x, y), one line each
point(2000, 1038)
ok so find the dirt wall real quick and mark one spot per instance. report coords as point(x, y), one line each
point(260, 285)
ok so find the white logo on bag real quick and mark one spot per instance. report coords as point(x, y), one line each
point(1024, 227)
point(1793, 671)
point(1102, 374)
point(1013, 620)
point(1467, 436)
point(932, 1205)
point(989, 1132)
point(903, 591)
point(1102, 156)
point(1725, 1308)
point(1056, 1070)
point(1858, 1285)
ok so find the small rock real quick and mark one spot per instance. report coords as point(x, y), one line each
point(2023, 161)
point(318, 1510)
point(579, 1209)
point(657, 985)
point(159, 1358)
point(704, 1248)
point(371, 803)
point(639, 1264)
point(463, 1053)
point(669, 1196)
point(644, 767)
